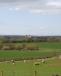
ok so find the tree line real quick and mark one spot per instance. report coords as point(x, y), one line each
point(19, 42)
point(12, 46)
point(22, 39)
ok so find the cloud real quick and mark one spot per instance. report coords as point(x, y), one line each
point(36, 11)
point(54, 4)
point(33, 6)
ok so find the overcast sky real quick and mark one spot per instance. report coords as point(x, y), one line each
point(30, 17)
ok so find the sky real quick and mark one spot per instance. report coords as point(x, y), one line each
point(30, 17)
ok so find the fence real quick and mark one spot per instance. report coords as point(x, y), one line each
point(22, 73)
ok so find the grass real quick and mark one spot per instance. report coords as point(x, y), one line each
point(47, 45)
point(50, 45)
point(47, 49)
point(24, 54)
point(28, 68)
point(50, 68)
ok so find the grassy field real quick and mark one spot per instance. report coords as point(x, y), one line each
point(52, 67)
point(8, 55)
point(46, 50)
point(50, 45)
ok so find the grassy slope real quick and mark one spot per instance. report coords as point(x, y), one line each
point(28, 68)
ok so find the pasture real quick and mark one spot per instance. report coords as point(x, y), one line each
point(46, 49)
point(50, 45)
point(52, 67)
point(24, 61)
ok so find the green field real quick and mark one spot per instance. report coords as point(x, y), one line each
point(50, 45)
point(51, 67)
point(54, 45)
point(8, 55)
point(46, 49)
point(28, 68)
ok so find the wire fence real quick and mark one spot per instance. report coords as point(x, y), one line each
point(34, 73)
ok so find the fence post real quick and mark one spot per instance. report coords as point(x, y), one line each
point(13, 73)
point(35, 72)
point(1, 73)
